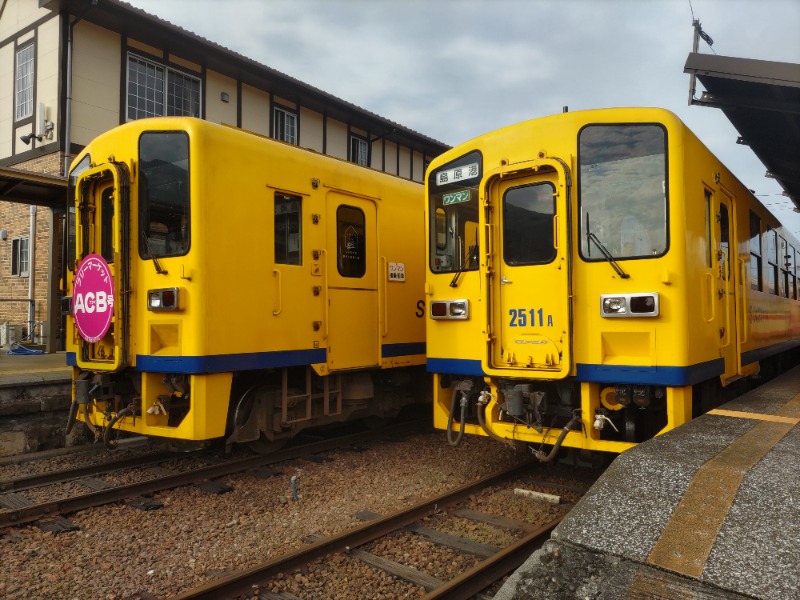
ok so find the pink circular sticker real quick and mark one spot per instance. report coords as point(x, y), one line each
point(93, 298)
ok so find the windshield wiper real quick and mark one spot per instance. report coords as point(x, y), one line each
point(471, 260)
point(152, 255)
point(609, 257)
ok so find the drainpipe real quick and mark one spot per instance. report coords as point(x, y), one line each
point(31, 273)
point(68, 109)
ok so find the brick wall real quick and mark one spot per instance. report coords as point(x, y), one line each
point(15, 219)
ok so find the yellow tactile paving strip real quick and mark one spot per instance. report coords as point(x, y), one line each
point(688, 537)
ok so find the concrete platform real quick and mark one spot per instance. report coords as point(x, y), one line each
point(710, 510)
point(16, 369)
point(35, 394)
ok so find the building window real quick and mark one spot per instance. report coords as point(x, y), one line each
point(285, 125)
point(156, 91)
point(20, 257)
point(359, 150)
point(24, 82)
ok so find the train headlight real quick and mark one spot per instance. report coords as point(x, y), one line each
point(163, 299)
point(457, 310)
point(629, 305)
point(614, 305)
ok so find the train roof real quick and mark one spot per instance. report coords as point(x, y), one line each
point(761, 99)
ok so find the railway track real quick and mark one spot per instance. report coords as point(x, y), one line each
point(17, 509)
point(494, 563)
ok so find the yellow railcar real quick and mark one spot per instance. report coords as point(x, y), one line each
point(224, 284)
point(596, 278)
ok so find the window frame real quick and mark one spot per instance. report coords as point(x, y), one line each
point(168, 74)
point(20, 256)
point(28, 90)
point(586, 199)
point(359, 145)
point(283, 252)
point(280, 116)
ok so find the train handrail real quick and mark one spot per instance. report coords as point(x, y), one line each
point(745, 336)
point(712, 313)
point(325, 302)
point(279, 294)
point(383, 297)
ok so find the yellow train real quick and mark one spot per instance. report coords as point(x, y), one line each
point(597, 278)
point(223, 284)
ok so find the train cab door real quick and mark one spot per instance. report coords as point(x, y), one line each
point(351, 282)
point(530, 289)
point(101, 281)
point(725, 274)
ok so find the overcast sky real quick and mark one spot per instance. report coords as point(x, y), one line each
point(454, 69)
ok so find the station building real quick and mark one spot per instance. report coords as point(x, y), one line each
point(72, 69)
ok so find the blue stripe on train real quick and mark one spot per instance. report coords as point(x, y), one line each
point(602, 373)
point(673, 376)
point(222, 363)
point(395, 350)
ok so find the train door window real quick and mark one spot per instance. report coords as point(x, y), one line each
point(107, 228)
point(709, 236)
point(285, 125)
point(772, 260)
point(724, 242)
point(622, 183)
point(164, 220)
point(796, 274)
point(288, 239)
point(791, 265)
point(756, 281)
point(351, 248)
point(528, 215)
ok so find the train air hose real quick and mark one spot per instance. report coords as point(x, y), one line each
point(541, 456)
point(483, 402)
point(112, 444)
point(463, 419)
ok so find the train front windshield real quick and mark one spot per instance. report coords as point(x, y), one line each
point(623, 191)
point(454, 207)
point(164, 225)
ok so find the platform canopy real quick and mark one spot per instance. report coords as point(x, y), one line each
point(762, 101)
point(32, 188)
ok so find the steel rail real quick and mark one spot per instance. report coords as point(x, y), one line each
point(63, 475)
point(243, 581)
point(36, 512)
point(486, 572)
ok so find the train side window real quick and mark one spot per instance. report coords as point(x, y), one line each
point(772, 259)
point(796, 274)
point(351, 247)
point(791, 266)
point(756, 281)
point(288, 238)
point(528, 213)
